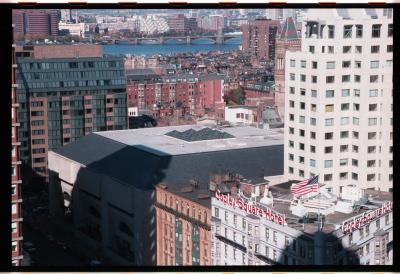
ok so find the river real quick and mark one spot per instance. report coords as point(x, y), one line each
point(171, 47)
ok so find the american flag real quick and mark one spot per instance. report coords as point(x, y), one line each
point(306, 186)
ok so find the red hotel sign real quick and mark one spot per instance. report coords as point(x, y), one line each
point(252, 209)
point(367, 217)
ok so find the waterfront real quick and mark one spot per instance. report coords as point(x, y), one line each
point(170, 48)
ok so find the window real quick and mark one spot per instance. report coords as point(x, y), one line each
point(357, 64)
point(301, 146)
point(312, 162)
point(330, 94)
point(371, 177)
point(216, 212)
point(291, 130)
point(292, 63)
point(291, 117)
point(344, 121)
point(302, 78)
point(328, 150)
point(312, 135)
point(303, 64)
point(291, 143)
point(371, 149)
point(302, 92)
point(292, 76)
point(314, 93)
point(329, 108)
point(359, 49)
point(346, 64)
point(331, 49)
point(314, 65)
point(312, 149)
point(291, 170)
point(329, 122)
point(330, 79)
point(373, 93)
point(343, 176)
point(390, 30)
point(291, 157)
point(374, 49)
point(347, 31)
point(313, 121)
point(291, 90)
point(346, 49)
point(372, 121)
point(371, 163)
point(344, 134)
point(331, 31)
point(302, 132)
point(328, 135)
point(328, 163)
point(372, 135)
point(389, 48)
point(302, 119)
point(301, 160)
point(13, 171)
point(345, 106)
point(14, 208)
point(354, 176)
point(345, 78)
point(302, 105)
point(373, 107)
point(356, 107)
point(356, 93)
point(376, 31)
point(343, 162)
point(314, 79)
point(389, 63)
point(313, 107)
point(330, 65)
point(374, 64)
point(373, 78)
point(355, 148)
point(344, 148)
point(311, 49)
point(328, 177)
point(14, 246)
point(359, 31)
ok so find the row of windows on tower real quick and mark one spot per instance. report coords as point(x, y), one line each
point(344, 121)
point(331, 79)
point(345, 64)
point(348, 49)
point(359, 31)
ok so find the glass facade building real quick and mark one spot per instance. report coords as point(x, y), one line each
point(64, 99)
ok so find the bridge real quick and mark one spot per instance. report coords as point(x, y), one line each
point(188, 39)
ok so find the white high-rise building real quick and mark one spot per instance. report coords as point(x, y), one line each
point(339, 100)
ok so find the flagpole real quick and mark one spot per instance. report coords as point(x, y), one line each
point(319, 206)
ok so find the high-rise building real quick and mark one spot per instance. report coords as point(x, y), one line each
point(178, 23)
point(259, 37)
point(64, 99)
point(339, 100)
point(35, 22)
point(16, 198)
point(286, 41)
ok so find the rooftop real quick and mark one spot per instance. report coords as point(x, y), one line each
point(157, 138)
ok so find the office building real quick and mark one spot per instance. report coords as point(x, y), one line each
point(259, 38)
point(260, 224)
point(16, 197)
point(178, 23)
point(64, 99)
point(339, 100)
point(110, 177)
point(43, 51)
point(35, 23)
point(286, 41)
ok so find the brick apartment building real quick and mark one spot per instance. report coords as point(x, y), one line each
point(287, 41)
point(16, 198)
point(64, 99)
point(194, 94)
point(183, 224)
point(35, 22)
point(259, 37)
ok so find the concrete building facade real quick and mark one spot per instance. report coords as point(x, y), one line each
point(339, 100)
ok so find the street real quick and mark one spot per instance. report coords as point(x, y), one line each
point(48, 253)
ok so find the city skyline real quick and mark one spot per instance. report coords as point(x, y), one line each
point(200, 123)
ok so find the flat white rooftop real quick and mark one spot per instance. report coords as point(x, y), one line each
point(155, 138)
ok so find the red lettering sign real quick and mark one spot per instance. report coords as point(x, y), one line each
point(251, 209)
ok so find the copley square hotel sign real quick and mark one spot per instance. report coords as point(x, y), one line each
point(251, 209)
point(365, 218)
